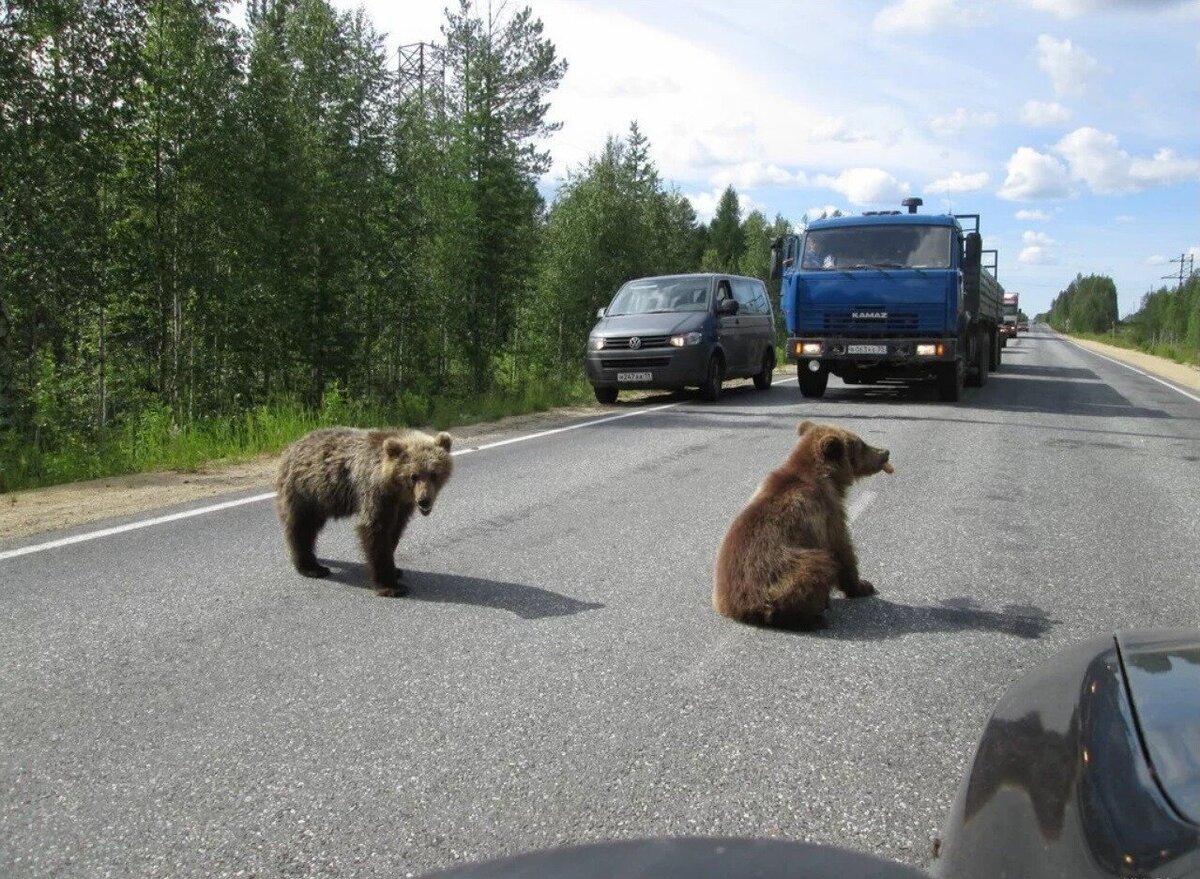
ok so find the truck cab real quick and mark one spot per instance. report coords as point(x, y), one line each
point(889, 295)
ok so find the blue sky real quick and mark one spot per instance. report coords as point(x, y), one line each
point(1072, 126)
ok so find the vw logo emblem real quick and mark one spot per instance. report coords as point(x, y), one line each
point(635, 343)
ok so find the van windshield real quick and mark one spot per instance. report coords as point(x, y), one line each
point(654, 295)
point(864, 247)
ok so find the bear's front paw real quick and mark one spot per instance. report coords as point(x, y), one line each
point(314, 571)
point(395, 591)
point(863, 589)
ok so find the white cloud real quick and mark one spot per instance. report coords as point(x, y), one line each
point(1070, 68)
point(959, 182)
point(921, 16)
point(1036, 239)
point(1040, 113)
point(823, 210)
point(1096, 158)
point(1036, 256)
point(1032, 215)
point(1157, 260)
point(1033, 175)
point(961, 120)
point(1126, 218)
point(865, 185)
point(752, 175)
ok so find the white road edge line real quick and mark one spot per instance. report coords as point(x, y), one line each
point(1155, 378)
point(212, 508)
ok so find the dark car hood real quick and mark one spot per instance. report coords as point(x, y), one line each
point(660, 324)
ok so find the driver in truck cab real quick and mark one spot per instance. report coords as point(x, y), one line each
point(813, 257)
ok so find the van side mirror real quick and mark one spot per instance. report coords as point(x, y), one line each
point(727, 306)
point(599, 312)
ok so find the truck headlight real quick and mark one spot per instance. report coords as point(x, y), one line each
point(808, 348)
point(683, 339)
point(930, 350)
point(595, 342)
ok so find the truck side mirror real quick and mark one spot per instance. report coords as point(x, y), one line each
point(776, 267)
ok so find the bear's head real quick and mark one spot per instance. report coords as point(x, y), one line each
point(419, 465)
point(843, 454)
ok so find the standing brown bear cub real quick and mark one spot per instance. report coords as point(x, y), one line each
point(376, 475)
point(790, 547)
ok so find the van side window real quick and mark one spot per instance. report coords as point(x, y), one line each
point(751, 296)
point(723, 291)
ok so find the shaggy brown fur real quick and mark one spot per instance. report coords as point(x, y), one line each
point(790, 547)
point(376, 475)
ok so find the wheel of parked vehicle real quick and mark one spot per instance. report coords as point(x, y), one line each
point(995, 349)
point(812, 384)
point(605, 395)
point(713, 379)
point(762, 379)
point(983, 359)
point(950, 382)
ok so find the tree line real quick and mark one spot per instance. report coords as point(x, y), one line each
point(200, 220)
point(1167, 320)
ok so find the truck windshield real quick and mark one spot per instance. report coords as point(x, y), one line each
point(1010, 310)
point(648, 296)
point(889, 247)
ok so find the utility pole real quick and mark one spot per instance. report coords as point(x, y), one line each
point(1185, 259)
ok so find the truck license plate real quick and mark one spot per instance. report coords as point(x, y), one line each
point(635, 376)
point(866, 349)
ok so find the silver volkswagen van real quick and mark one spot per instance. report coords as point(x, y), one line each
point(679, 331)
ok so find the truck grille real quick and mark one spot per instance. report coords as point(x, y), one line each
point(912, 320)
point(633, 362)
point(619, 342)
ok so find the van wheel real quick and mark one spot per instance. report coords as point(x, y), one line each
point(762, 379)
point(605, 395)
point(713, 379)
point(812, 384)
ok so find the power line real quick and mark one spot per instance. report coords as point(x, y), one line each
point(1184, 259)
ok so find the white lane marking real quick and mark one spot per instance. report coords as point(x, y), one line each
point(132, 526)
point(1135, 369)
point(200, 511)
point(858, 505)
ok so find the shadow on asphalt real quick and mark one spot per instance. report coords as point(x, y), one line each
point(877, 619)
point(1067, 372)
point(527, 602)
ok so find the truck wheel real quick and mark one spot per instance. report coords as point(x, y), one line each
point(605, 395)
point(1004, 341)
point(762, 379)
point(713, 379)
point(994, 337)
point(812, 384)
point(950, 382)
point(983, 359)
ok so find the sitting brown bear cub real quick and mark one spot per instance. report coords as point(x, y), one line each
point(378, 475)
point(790, 546)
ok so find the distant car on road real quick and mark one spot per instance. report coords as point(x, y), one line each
point(680, 331)
point(1023, 326)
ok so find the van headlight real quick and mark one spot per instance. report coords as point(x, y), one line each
point(595, 342)
point(683, 339)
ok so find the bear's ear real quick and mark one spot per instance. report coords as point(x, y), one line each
point(443, 439)
point(833, 448)
point(393, 449)
point(805, 427)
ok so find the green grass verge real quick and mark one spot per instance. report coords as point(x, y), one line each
point(1177, 353)
point(153, 441)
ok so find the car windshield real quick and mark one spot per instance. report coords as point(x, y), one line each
point(897, 246)
point(656, 295)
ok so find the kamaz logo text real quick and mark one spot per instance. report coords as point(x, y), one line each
point(869, 315)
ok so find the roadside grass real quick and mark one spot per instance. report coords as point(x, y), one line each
point(1177, 353)
point(154, 441)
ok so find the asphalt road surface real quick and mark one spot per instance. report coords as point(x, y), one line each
point(175, 701)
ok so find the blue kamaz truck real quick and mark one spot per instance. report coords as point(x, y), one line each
point(890, 295)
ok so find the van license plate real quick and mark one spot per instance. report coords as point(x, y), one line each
point(866, 349)
point(635, 376)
